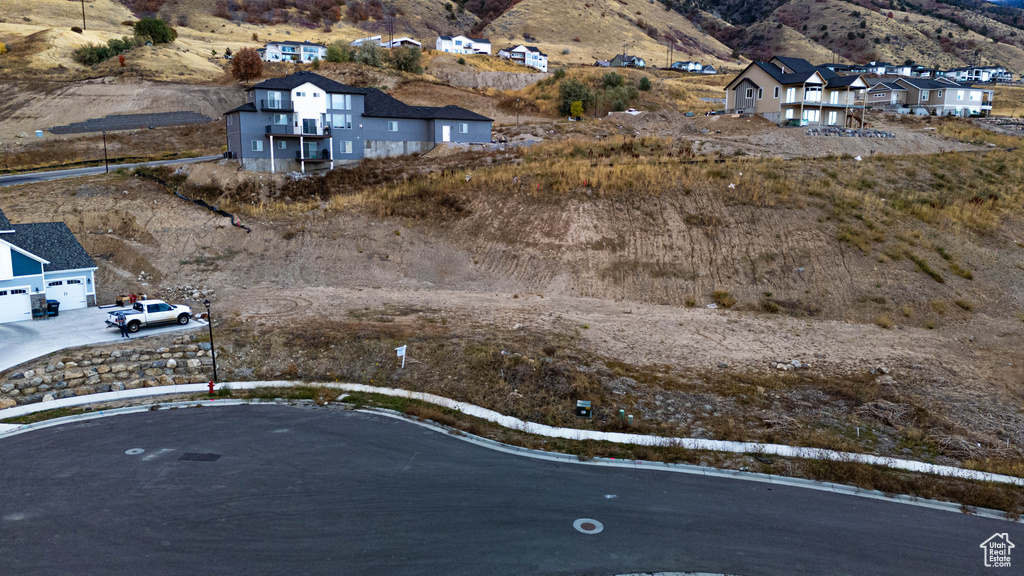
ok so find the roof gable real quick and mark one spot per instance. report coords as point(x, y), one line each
point(297, 79)
point(5, 224)
point(381, 105)
point(52, 242)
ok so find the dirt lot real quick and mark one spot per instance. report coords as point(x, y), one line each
point(325, 293)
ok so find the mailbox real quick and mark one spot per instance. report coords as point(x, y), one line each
point(583, 409)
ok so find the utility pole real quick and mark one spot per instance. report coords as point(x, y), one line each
point(106, 167)
point(83, 14)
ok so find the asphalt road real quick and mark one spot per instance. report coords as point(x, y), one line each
point(328, 491)
point(30, 177)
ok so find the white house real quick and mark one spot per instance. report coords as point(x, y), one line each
point(708, 69)
point(370, 39)
point(463, 45)
point(688, 66)
point(979, 74)
point(40, 262)
point(527, 55)
point(403, 41)
point(293, 52)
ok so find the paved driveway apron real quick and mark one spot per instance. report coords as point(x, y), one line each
point(23, 341)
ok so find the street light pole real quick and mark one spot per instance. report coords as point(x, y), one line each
point(106, 167)
point(213, 353)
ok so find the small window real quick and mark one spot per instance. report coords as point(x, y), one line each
point(13, 292)
point(74, 282)
point(57, 283)
point(280, 119)
point(316, 94)
point(348, 147)
point(392, 126)
point(231, 118)
point(3, 292)
point(300, 94)
point(464, 128)
point(776, 92)
point(760, 93)
point(282, 145)
point(257, 145)
point(750, 92)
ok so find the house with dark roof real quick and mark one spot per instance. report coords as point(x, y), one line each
point(526, 55)
point(292, 52)
point(944, 97)
point(40, 262)
point(306, 121)
point(792, 89)
point(886, 94)
point(627, 61)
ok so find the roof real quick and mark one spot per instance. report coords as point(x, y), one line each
point(887, 86)
point(380, 105)
point(51, 241)
point(481, 40)
point(247, 107)
point(299, 78)
point(294, 43)
point(928, 84)
point(5, 224)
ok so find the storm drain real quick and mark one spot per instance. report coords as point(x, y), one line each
point(196, 457)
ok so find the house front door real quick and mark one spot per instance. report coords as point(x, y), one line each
point(893, 98)
point(309, 150)
point(446, 133)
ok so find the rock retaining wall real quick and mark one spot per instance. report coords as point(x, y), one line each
point(107, 368)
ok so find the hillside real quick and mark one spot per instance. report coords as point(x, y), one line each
point(930, 32)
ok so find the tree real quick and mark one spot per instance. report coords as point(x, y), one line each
point(576, 109)
point(645, 84)
point(572, 90)
point(370, 54)
point(156, 29)
point(339, 52)
point(406, 59)
point(246, 65)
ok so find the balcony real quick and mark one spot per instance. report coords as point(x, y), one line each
point(322, 156)
point(277, 105)
point(293, 132)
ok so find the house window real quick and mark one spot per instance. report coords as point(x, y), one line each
point(750, 93)
point(257, 145)
point(812, 116)
point(280, 119)
point(832, 118)
point(316, 94)
point(464, 128)
point(392, 126)
point(939, 94)
point(231, 119)
point(776, 93)
point(19, 292)
point(760, 93)
point(975, 95)
point(300, 94)
point(959, 95)
point(925, 94)
point(57, 283)
point(790, 94)
point(282, 145)
point(812, 94)
point(789, 113)
point(833, 97)
point(348, 147)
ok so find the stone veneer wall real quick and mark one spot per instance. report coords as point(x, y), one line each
point(107, 368)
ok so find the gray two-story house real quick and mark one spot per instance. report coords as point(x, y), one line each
point(305, 121)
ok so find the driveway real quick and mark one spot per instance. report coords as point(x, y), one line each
point(23, 341)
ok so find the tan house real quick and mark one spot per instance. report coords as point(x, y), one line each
point(794, 90)
point(886, 94)
point(944, 97)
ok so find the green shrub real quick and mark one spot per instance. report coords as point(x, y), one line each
point(570, 91)
point(559, 74)
point(612, 80)
point(370, 54)
point(645, 84)
point(723, 299)
point(339, 52)
point(406, 59)
point(156, 30)
point(461, 61)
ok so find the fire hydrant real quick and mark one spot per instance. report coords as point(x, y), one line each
point(211, 387)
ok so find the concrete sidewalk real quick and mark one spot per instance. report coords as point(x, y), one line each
point(24, 341)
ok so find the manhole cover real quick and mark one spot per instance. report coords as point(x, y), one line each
point(134, 451)
point(588, 526)
point(199, 457)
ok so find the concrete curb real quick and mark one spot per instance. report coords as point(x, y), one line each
point(541, 455)
point(543, 430)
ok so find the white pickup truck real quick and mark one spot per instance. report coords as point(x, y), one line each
point(149, 313)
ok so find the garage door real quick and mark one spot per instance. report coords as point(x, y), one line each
point(15, 305)
point(70, 293)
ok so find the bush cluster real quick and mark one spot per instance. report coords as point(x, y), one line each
point(401, 58)
point(92, 54)
point(156, 30)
